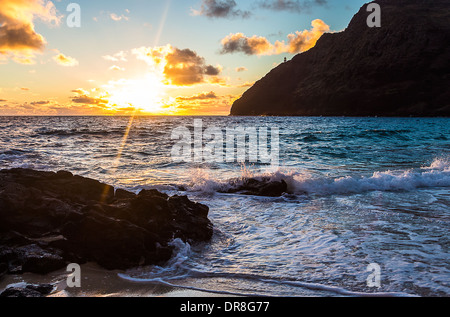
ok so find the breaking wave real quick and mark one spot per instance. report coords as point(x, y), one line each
point(301, 182)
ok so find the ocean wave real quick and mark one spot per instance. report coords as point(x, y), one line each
point(301, 182)
point(382, 133)
point(77, 132)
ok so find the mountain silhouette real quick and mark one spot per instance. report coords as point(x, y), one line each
point(399, 69)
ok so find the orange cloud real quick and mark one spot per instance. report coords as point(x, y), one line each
point(64, 60)
point(87, 100)
point(255, 45)
point(202, 96)
point(207, 103)
point(303, 41)
point(299, 42)
point(18, 38)
point(116, 68)
point(180, 67)
point(80, 91)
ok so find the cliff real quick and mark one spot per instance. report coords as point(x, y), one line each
point(399, 69)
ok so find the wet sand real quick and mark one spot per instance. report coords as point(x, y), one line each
point(98, 282)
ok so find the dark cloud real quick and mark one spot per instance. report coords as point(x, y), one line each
point(221, 9)
point(37, 103)
point(248, 45)
point(18, 38)
point(83, 99)
point(290, 5)
point(212, 71)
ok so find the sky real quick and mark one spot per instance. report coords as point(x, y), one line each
point(150, 57)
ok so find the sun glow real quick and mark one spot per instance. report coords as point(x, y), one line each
point(145, 94)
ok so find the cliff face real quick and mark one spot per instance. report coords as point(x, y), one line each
point(400, 69)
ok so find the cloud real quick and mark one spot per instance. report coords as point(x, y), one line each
point(220, 9)
point(118, 18)
point(18, 37)
point(238, 42)
point(216, 80)
point(246, 84)
point(212, 70)
point(64, 60)
point(203, 104)
point(290, 5)
point(201, 96)
point(118, 57)
point(108, 15)
point(116, 68)
point(77, 109)
point(80, 91)
point(241, 69)
point(303, 41)
point(184, 68)
point(87, 100)
point(298, 42)
point(40, 103)
point(180, 67)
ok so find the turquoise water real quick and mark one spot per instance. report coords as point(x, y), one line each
point(360, 191)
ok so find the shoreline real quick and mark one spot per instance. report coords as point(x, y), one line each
point(98, 282)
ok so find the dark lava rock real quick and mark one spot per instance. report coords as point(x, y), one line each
point(399, 69)
point(258, 187)
point(3, 270)
point(50, 219)
point(28, 291)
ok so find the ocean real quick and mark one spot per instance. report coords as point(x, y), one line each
point(366, 213)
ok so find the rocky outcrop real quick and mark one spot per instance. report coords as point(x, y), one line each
point(50, 219)
point(29, 290)
point(399, 69)
point(257, 187)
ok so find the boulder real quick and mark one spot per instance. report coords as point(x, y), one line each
point(258, 187)
point(48, 220)
point(30, 290)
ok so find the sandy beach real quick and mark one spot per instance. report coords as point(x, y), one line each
point(98, 282)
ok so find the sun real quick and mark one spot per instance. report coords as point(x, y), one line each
point(145, 94)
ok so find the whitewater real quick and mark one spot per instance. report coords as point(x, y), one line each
point(360, 191)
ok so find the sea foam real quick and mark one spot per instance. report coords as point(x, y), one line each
point(302, 182)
